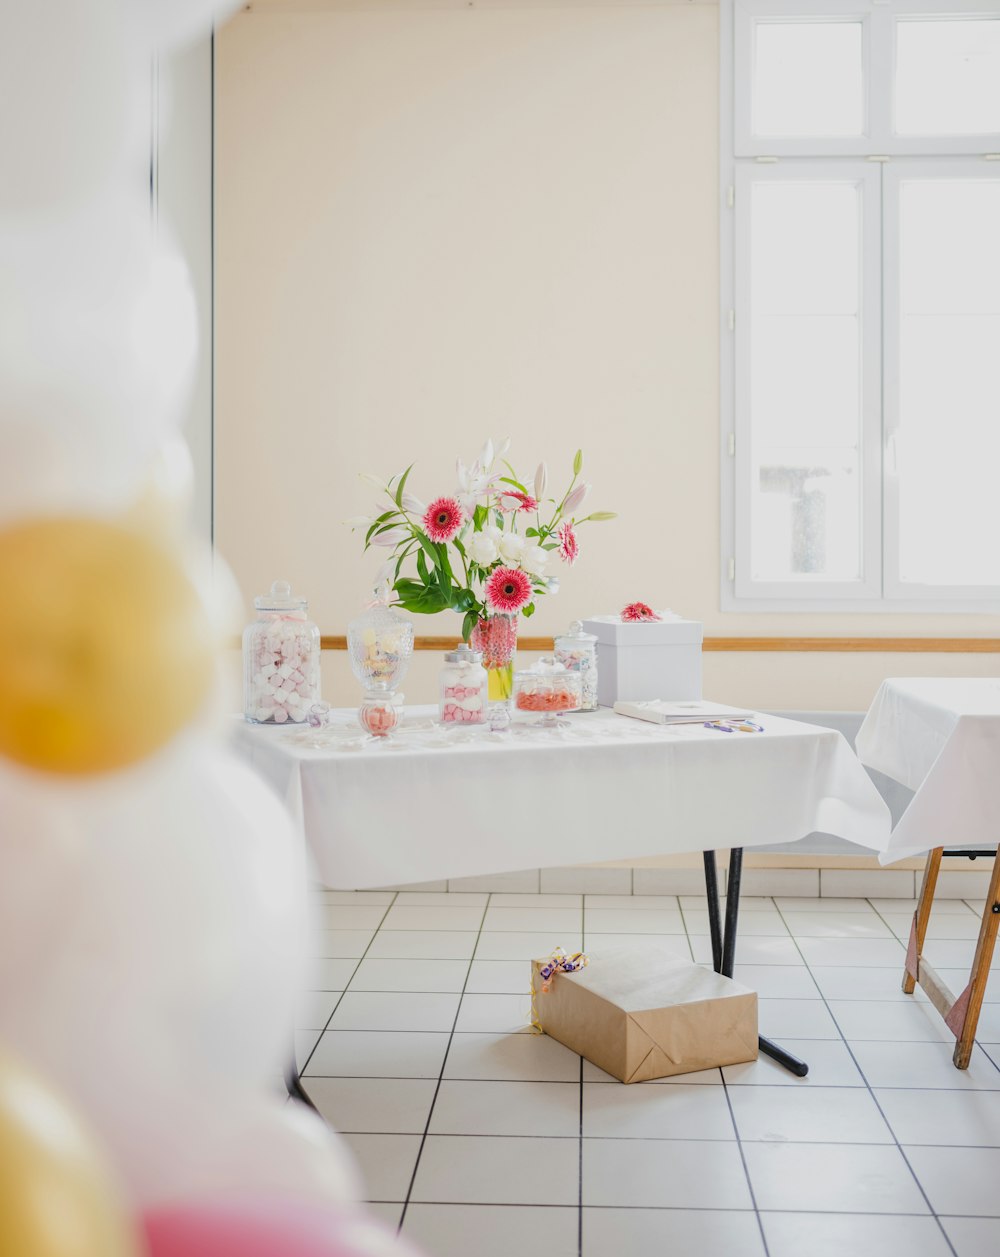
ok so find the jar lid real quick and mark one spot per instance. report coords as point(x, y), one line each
point(463, 653)
point(575, 633)
point(280, 599)
point(548, 666)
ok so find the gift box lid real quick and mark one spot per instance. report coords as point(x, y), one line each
point(640, 979)
point(671, 630)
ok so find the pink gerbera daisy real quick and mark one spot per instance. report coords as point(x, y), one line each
point(515, 500)
point(443, 519)
point(639, 612)
point(569, 547)
point(508, 589)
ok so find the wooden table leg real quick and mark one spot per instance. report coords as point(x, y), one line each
point(963, 1018)
point(918, 930)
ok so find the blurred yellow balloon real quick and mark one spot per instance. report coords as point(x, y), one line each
point(106, 647)
point(56, 1197)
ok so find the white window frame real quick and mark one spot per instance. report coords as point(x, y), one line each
point(879, 164)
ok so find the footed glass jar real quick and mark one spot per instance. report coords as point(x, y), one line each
point(463, 689)
point(280, 660)
point(577, 651)
point(542, 693)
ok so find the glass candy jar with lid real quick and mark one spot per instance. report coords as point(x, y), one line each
point(378, 714)
point(281, 680)
point(464, 684)
point(577, 651)
point(543, 692)
point(380, 643)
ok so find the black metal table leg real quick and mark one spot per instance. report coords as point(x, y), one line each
point(724, 955)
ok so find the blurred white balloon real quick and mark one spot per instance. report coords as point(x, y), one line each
point(98, 342)
point(246, 1144)
point(165, 952)
point(70, 77)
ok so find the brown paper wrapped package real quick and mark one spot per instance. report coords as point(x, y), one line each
point(640, 1013)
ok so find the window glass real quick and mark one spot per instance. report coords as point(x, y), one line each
point(947, 76)
point(807, 79)
point(948, 447)
point(805, 380)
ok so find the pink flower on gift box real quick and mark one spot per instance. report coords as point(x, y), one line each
point(639, 613)
point(515, 500)
point(508, 589)
point(443, 519)
point(569, 547)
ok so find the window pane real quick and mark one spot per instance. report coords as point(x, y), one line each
point(807, 79)
point(805, 381)
point(949, 436)
point(948, 77)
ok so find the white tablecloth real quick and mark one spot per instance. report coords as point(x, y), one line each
point(941, 738)
point(429, 803)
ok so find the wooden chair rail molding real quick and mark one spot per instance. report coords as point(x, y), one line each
point(842, 645)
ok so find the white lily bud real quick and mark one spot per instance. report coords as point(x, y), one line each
point(359, 521)
point(486, 457)
point(576, 498)
point(541, 479)
point(391, 537)
point(503, 447)
point(373, 482)
point(414, 505)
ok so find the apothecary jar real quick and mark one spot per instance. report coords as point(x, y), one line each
point(281, 672)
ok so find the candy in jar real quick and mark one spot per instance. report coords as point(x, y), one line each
point(577, 652)
point(281, 680)
point(463, 691)
point(378, 714)
point(545, 690)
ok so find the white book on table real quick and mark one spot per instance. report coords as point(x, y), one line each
point(662, 712)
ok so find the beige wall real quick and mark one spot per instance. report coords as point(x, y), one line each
point(439, 223)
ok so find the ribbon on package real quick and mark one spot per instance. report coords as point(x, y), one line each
point(558, 962)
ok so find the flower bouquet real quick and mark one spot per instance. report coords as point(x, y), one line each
point(483, 551)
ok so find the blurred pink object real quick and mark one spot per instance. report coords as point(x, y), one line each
point(276, 1228)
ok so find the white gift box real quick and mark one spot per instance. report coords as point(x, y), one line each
point(652, 659)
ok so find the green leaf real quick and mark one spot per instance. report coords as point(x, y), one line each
point(528, 611)
point(401, 486)
point(375, 523)
point(468, 624)
point(578, 462)
point(463, 600)
point(552, 545)
point(479, 517)
point(531, 532)
point(516, 483)
point(428, 547)
point(459, 547)
point(422, 568)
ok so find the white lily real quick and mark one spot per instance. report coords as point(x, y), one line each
point(359, 521)
point(541, 479)
point(576, 498)
point(391, 536)
point(487, 455)
point(473, 484)
point(413, 504)
point(503, 447)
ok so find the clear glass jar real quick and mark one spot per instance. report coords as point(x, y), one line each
point(577, 651)
point(380, 643)
point(281, 674)
point(546, 690)
point(463, 687)
point(378, 714)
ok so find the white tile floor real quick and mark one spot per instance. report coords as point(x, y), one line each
point(482, 1139)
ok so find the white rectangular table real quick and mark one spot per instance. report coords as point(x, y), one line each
point(941, 738)
point(433, 803)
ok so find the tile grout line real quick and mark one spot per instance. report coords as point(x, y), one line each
point(743, 1162)
point(444, 1065)
point(871, 1091)
point(319, 1037)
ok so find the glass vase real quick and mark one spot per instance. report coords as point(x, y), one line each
point(496, 637)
